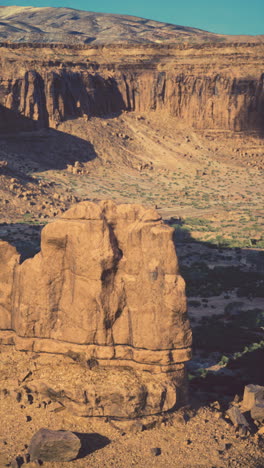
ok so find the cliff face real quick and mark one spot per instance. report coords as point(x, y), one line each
point(183, 83)
point(216, 101)
point(51, 97)
point(105, 288)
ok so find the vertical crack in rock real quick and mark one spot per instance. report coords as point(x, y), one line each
point(105, 291)
point(57, 282)
point(109, 287)
point(52, 95)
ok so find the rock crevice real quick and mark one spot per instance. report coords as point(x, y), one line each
point(106, 287)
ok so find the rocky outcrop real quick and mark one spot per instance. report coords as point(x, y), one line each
point(59, 95)
point(105, 290)
point(202, 101)
point(183, 83)
point(9, 260)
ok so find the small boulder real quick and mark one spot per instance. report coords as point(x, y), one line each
point(257, 412)
point(251, 394)
point(47, 445)
point(155, 451)
point(237, 418)
point(17, 462)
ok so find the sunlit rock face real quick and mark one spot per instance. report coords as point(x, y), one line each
point(105, 287)
point(62, 64)
point(207, 98)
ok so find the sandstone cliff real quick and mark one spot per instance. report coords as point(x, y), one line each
point(213, 87)
point(105, 287)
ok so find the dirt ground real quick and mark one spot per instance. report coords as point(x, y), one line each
point(201, 436)
point(133, 158)
point(211, 184)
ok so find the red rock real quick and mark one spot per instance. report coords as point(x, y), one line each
point(106, 284)
point(9, 259)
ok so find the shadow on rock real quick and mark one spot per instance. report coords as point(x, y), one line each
point(91, 443)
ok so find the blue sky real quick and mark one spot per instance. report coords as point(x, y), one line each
point(221, 16)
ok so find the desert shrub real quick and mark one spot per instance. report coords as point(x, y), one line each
point(224, 361)
point(199, 224)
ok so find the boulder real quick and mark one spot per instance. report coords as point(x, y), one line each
point(155, 451)
point(47, 445)
point(257, 412)
point(17, 462)
point(251, 394)
point(237, 418)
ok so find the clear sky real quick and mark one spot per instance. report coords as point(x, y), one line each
point(220, 16)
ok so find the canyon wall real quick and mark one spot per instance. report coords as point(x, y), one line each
point(203, 93)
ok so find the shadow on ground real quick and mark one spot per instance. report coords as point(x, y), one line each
point(91, 443)
point(27, 148)
point(24, 237)
point(224, 384)
point(232, 342)
point(30, 145)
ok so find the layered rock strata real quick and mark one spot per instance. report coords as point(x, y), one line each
point(105, 290)
point(211, 86)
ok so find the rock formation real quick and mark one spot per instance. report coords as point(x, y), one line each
point(47, 445)
point(224, 94)
point(105, 291)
